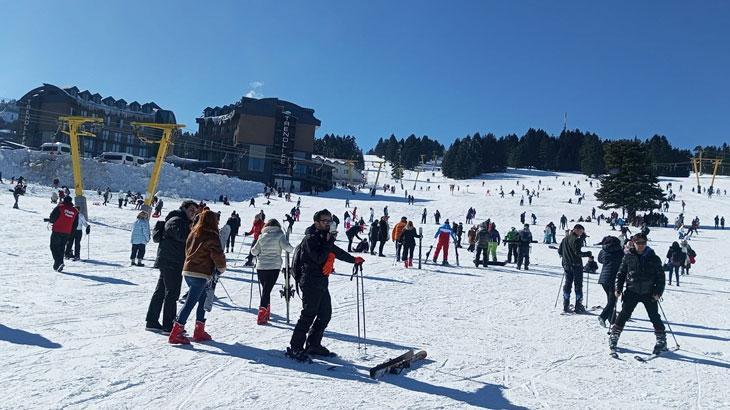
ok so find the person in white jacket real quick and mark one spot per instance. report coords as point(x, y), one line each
point(268, 263)
point(75, 238)
point(140, 237)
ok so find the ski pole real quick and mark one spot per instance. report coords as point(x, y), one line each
point(588, 283)
point(668, 325)
point(250, 295)
point(362, 289)
point(357, 297)
point(225, 290)
point(562, 278)
point(88, 247)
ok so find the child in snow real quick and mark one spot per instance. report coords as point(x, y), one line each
point(140, 237)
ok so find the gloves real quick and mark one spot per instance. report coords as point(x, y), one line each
point(88, 229)
point(359, 260)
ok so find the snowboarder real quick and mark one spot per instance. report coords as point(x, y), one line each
point(571, 254)
point(610, 257)
point(64, 220)
point(443, 233)
point(204, 258)
point(641, 271)
point(140, 237)
point(268, 264)
point(317, 257)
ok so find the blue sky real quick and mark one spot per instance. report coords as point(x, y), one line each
point(372, 68)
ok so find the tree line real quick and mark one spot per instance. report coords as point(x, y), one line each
point(407, 153)
point(340, 147)
point(571, 151)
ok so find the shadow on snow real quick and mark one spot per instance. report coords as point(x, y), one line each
point(21, 337)
point(101, 279)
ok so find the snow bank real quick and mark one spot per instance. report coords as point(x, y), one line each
point(37, 167)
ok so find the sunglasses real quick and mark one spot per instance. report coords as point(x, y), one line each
point(325, 221)
point(640, 243)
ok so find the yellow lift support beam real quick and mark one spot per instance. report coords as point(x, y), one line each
point(377, 177)
point(697, 167)
point(165, 142)
point(74, 132)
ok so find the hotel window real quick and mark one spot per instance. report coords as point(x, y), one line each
point(256, 156)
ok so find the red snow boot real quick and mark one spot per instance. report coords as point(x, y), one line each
point(262, 320)
point(200, 335)
point(268, 312)
point(176, 335)
point(410, 263)
point(405, 263)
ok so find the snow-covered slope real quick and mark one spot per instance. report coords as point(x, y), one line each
point(37, 167)
point(76, 339)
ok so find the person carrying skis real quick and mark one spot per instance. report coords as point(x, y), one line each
point(610, 257)
point(395, 236)
point(258, 225)
point(524, 239)
point(494, 240)
point(203, 256)
point(407, 237)
point(443, 233)
point(170, 261)
point(642, 274)
point(572, 256)
point(140, 237)
point(352, 233)
point(268, 264)
point(76, 236)
point(511, 239)
point(64, 219)
point(676, 258)
point(317, 256)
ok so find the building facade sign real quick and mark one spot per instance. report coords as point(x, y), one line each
point(284, 136)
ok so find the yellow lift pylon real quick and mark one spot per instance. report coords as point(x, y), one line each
point(165, 142)
point(697, 167)
point(74, 132)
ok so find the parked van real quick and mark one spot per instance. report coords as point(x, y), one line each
point(119, 158)
point(56, 147)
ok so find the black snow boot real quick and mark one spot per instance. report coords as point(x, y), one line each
point(579, 308)
point(613, 337)
point(566, 306)
point(661, 343)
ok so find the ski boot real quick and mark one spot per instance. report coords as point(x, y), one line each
point(268, 312)
point(200, 335)
point(476, 263)
point(410, 263)
point(579, 308)
point(176, 335)
point(613, 339)
point(139, 262)
point(445, 263)
point(298, 354)
point(318, 350)
point(661, 343)
point(405, 263)
point(131, 263)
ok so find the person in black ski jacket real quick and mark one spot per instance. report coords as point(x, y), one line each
point(408, 237)
point(676, 259)
point(642, 275)
point(383, 230)
point(170, 260)
point(235, 223)
point(572, 255)
point(318, 254)
point(373, 235)
point(524, 239)
point(610, 257)
point(353, 233)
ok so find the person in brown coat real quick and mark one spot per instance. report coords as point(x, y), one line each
point(203, 255)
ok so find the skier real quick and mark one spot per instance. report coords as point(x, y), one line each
point(511, 239)
point(395, 236)
point(352, 233)
point(676, 258)
point(523, 251)
point(372, 215)
point(170, 260)
point(610, 257)
point(64, 220)
point(140, 237)
point(472, 238)
point(17, 192)
point(252, 202)
point(258, 225)
point(494, 239)
point(443, 233)
point(408, 237)
point(120, 199)
point(570, 252)
point(268, 264)
point(641, 271)
point(317, 256)
point(76, 236)
point(204, 257)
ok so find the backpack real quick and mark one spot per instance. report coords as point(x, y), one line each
point(677, 258)
point(158, 231)
point(296, 269)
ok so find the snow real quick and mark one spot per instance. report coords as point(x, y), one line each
point(76, 339)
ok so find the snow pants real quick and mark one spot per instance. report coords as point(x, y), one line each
point(674, 269)
point(231, 240)
point(398, 247)
point(315, 316)
point(165, 296)
point(608, 311)
point(511, 252)
point(137, 251)
point(74, 240)
point(58, 243)
point(523, 257)
point(477, 257)
point(573, 277)
point(630, 300)
point(267, 279)
point(439, 246)
point(493, 251)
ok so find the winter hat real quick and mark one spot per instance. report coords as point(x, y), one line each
point(67, 200)
point(403, 218)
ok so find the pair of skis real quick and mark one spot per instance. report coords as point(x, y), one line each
point(398, 364)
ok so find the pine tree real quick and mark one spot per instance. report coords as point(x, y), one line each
point(630, 184)
point(591, 155)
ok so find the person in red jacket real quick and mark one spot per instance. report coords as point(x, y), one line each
point(64, 220)
point(258, 225)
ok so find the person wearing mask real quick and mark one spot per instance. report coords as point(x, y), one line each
point(267, 250)
point(203, 256)
point(64, 220)
point(170, 261)
point(140, 237)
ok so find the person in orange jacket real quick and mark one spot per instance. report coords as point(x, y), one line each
point(395, 236)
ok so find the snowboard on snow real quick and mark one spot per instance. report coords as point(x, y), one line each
point(397, 364)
